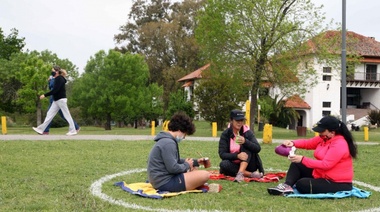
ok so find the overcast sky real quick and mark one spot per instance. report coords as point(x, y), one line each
point(77, 29)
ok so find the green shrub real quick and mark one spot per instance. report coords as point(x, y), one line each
point(374, 116)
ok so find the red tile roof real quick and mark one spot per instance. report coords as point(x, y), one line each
point(355, 43)
point(296, 102)
point(197, 74)
point(370, 60)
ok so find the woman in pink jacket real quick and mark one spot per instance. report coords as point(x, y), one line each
point(332, 168)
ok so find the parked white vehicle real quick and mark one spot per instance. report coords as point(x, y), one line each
point(357, 124)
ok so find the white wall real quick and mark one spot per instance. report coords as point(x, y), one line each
point(371, 95)
point(324, 91)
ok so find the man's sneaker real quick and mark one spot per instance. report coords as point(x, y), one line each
point(256, 174)
point(72, 133)
point(281, 189)
point(239, 177)
point(214, 188)
point(37, 130)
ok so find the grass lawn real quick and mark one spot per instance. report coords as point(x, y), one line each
point(57, 176)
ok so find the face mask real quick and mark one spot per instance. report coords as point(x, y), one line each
point(324, 137)
point(179, 139)
point(53, 73)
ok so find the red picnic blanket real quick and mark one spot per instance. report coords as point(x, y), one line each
point(267, 178)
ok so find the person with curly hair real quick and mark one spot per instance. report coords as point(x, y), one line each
point(167, 171)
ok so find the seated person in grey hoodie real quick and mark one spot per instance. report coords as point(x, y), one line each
point(166, 170)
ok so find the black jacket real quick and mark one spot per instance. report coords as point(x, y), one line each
point(59, 90)
point(250, 144)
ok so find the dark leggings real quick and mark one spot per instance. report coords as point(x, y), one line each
point(230, 168)
point(301, 176)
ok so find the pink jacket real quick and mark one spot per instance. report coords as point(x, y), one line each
point(332, 158)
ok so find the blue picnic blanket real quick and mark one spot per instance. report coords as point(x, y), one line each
point(355, 192)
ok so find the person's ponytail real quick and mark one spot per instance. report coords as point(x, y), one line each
point(345, 132)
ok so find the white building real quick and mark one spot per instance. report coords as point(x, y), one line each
point(363, 87)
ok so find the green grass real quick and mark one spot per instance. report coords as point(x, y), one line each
point(57, 175)
point(203, 129)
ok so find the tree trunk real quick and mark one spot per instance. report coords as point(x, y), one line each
point(39, 112)
point(108, 122)
point(258, 70)
point(221, 125)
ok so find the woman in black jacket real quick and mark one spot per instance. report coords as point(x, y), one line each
point(60, 102)
point(238, 149)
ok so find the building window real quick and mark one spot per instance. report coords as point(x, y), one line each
point(371, 72)
point(326, 113)
point(326, 78)
point(326, 69)
point(326, 104)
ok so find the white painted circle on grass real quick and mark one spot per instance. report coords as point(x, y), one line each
point(96, 190)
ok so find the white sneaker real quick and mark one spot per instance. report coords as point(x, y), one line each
point(239, 177)
point(256, 174)
point(72, 133)
point(38, 130)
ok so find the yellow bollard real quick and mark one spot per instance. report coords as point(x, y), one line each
point(248, 113)
point(366, 135)
point(165, 125)
point(214, 129)
point(153, 128)
point(4, 125)
point(267, 134)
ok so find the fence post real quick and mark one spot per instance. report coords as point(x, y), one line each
point(214, 129)
point(366, 136)
point(248, 113)
point(153, 124)
point(165, 125)
point(4, 125)
point(267, 134)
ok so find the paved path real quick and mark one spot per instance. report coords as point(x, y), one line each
point(122, 137)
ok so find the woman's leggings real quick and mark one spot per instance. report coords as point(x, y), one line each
point(301, 176)
point(230, 168)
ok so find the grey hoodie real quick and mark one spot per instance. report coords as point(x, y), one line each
point(164, 161)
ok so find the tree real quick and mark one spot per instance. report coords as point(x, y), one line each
point(9, 45)
point(276, 112)
point(218, 93)
point(31, 70)
point(115, 87)
point(177, 102)
point(163, 32)
point(33, 75)
point(266, 37)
